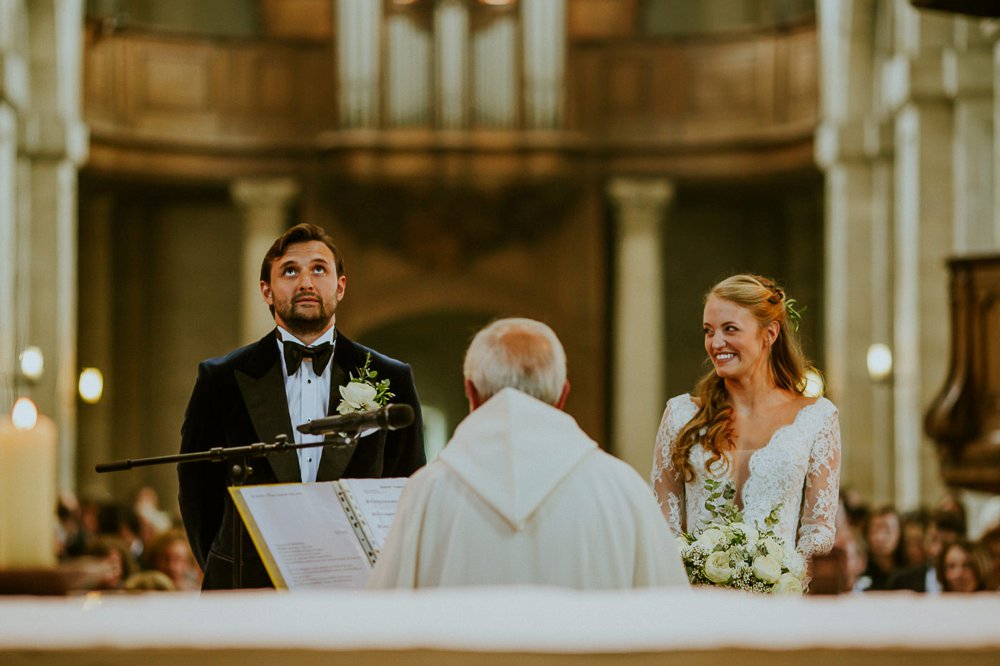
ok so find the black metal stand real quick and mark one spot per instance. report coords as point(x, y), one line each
point(239, 472)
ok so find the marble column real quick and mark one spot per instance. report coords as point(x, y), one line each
point(968, 80)
point(53, 141)
point(924, 232)
point(13, 100)
point(638, 336)
point(853, 148)
point(264, 204)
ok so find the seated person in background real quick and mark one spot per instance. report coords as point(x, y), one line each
point(885, 552)
point(521, 495)
point(991, 541)
point(964, 567)
point(913, 527)
point(942, 529)
point(114, 554)
point(171, 555)
point(149, 581)
point(855, 560)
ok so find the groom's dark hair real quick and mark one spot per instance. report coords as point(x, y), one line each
point(300, 233)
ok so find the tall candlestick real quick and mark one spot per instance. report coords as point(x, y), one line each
point(27, 489)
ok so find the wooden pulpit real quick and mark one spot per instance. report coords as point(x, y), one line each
point(964, 418)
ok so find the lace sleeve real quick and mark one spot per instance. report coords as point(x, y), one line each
point(819, 503)
point(666, 480)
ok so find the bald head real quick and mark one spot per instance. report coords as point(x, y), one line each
point(522, 354)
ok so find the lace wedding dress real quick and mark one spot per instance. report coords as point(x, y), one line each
point(798, 468)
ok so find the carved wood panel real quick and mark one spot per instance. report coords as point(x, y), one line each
point(190, 91)
point(687, 92)
point(964, 419)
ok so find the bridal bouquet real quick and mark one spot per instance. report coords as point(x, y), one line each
point(728, 552)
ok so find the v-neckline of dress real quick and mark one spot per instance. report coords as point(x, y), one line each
point(774, 435)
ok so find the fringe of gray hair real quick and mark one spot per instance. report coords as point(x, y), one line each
point(518, 353)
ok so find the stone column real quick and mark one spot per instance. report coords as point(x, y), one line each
point(968, 79)
point(638, 335)
point(264, 204)
point(13, 99)
point(853, 148)
point(924, 238)
point(53, 141)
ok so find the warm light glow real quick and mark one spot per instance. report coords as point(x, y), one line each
point(91, 385)
point(814, 384)
point(879, 362)
point(24, 415)
point(497, 2)
point(32, 363)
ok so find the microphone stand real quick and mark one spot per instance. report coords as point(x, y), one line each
point(239, 472)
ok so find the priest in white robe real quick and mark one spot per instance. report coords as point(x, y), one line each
point(521, 495)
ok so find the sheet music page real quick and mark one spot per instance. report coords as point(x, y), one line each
point(375, 500)
point(302, 530)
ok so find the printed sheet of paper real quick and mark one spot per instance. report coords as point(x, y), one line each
point(375, 500)
point(303, 535)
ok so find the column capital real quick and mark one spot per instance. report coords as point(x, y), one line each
point(264, 192)
point(855, 140)
point(49, 136)
point(656, 193)
point(968, 73)
point(13, 80)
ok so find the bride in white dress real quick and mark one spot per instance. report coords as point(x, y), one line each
point(749, 424)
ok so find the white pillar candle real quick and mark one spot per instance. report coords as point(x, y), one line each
point(27, 489)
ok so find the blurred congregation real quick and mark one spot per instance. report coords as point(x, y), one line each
point(132, 546)
point(140, 546)
point(930, 549)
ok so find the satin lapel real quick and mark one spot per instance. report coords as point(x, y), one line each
point(334, 460)
point(267, 404)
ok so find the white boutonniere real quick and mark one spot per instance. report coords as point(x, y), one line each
point(363, 393)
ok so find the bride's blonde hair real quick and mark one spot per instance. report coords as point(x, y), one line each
point(713, 422)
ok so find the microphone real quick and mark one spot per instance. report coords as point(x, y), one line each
point(390, 417)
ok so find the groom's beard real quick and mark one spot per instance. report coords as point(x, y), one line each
point(307, 320)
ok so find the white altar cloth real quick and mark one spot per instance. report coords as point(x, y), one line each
point(483, 624)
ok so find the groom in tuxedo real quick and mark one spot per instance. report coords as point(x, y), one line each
point(289, 377)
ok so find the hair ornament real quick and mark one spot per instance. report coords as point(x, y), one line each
point(794, 316)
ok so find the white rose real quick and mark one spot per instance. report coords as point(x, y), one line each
point(717, 568)
point(357, 396)
point(788, 584)
point(795, 564)
point(766, 568)
point(773, 549)
point(710, 538)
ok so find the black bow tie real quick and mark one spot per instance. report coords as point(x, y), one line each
point(294, 353)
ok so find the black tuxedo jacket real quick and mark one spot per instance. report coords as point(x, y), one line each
point(240, 399)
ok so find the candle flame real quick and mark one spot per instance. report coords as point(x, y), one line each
point(24, 415)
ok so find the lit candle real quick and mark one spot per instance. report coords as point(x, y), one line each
point(27, 488)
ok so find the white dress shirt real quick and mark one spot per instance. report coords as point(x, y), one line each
point(308, 397)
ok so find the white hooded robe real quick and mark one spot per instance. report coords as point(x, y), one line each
point(521, 495)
